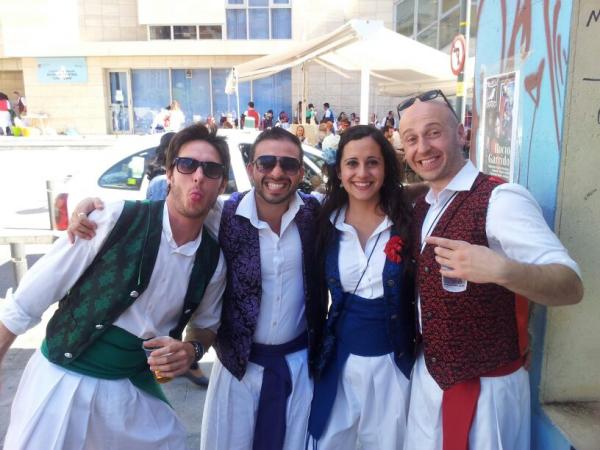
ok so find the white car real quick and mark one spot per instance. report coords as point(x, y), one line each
point(122, 175)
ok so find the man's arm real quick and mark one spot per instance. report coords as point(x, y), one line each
point(7, 337)
point(547, 284)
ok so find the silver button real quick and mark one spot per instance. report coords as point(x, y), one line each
point(390, 283)
point(434, 359)
point(99, 326)
point(426, 269)
point(68, 355)
point(187, 311)
point(134, 294)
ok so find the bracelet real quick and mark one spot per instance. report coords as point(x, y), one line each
point(198, 350)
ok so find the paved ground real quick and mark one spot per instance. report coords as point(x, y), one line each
point(186, 398)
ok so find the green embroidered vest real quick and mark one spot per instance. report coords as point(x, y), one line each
point(117, 277)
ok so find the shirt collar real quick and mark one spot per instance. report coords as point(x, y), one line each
point(340, 222)
point(187, 249)
point(462, 181)
point(247, 209)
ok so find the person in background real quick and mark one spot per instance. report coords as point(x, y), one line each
point(344, 124)
point(300, 133)
point(283, 121)
point(151, 268)
point(482, 248)
point(389, 120)
point(327, 114)
point(6, 114)
point(267, 121)
point(362, 387)
point(176, 120)
point(251, 113)
point(20, 106)
point(311, 115)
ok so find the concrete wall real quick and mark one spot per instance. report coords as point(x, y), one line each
point(110, 20)
point(11, 77)
point(575, 375)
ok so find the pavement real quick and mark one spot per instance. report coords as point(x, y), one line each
point(187, 398)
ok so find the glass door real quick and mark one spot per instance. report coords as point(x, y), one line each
point(120, 101)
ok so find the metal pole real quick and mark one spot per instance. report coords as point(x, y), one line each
point(50, 198)
point(464, 29)
point(19, 260)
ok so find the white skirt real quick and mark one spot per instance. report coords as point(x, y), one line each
point(502, 420)
point(55, 409)
point(231, 405)
point(370, 408)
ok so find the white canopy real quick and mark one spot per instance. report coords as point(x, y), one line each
point(359, 45)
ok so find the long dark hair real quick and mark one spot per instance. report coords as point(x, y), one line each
point(391, 198)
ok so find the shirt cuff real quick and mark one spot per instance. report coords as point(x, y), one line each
point(15, 318)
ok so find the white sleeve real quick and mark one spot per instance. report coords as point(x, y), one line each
point(208, 313)
point(213, 219)
point(516, 228)
point(55, 273)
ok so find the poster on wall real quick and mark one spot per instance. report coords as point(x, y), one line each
point(62, 70)
point(498, 145)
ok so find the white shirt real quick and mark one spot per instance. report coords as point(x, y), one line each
point(515, 226)
point(353, 260)
point(281, 316)
point(157, 309)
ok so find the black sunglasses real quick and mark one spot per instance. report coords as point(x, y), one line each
point(210, 169)
point(266, 163)
point(425, 97)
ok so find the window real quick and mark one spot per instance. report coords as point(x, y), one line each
point(405, 17)
point(159, 32)
point(193, 32)
point(210, 32)
point(259, 19)
point(449, 26)
point(185, 32)
point(128, 174)
point(427, 14)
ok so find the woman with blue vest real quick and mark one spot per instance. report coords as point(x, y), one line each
point(362, 387)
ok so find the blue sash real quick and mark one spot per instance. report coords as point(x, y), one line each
point(362, 330)
point(269, 431)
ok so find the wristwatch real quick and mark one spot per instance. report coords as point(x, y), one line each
point(198, 350)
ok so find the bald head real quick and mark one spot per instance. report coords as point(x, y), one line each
point(433, 140)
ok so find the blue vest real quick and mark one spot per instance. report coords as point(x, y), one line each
point(397, 294)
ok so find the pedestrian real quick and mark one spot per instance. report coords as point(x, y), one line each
point(150, 268)
point(20, 106)
point(251, 117)
point(482, 248)
point(362, 387)
point(327, 114)
point(300, 133)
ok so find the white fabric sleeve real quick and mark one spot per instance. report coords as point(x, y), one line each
point(208, 313)
point(516, 228)
point(55, 273)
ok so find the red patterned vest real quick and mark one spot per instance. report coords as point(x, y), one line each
point(470, 333)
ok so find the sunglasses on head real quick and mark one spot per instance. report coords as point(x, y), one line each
point(210, 169)
point(266, 164)
point(425, 97)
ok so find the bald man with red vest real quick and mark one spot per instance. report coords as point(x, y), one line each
point(482, 248)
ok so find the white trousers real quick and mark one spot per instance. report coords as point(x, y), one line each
point(502, 420)
point(231, 406)
point(55, 409)
point(370, 408)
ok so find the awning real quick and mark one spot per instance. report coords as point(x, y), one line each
point(359, 45)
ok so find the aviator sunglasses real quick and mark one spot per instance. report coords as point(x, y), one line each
point(266, 163)
point(425, 97)
point(210, 169)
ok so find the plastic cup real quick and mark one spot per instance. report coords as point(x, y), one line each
point(453, 284)
point(157, 375)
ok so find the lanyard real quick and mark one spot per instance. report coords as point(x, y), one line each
point(436, 218)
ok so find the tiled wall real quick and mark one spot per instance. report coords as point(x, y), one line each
point(110, 20)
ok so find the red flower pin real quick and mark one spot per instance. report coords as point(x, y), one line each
point(393, 249)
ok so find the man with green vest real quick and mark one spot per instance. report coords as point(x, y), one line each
point(150, 269)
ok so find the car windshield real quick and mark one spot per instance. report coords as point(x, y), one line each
point(128, 173)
